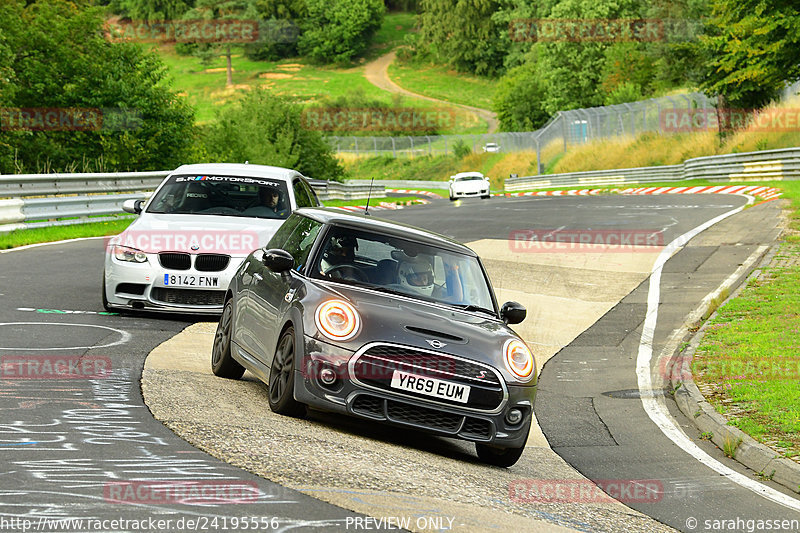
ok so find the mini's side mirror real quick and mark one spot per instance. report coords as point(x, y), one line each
point(132, 206)
point(513, 312)
point(278, 260)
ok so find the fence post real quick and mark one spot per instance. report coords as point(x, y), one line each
point(394, 150)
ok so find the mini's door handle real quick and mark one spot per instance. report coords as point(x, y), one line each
point(258, 277)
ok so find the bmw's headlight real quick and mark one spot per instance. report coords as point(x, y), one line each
point(337, 320)
point(132, 255)
point(518, 359)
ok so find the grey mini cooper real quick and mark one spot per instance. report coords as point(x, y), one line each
point(384, 322)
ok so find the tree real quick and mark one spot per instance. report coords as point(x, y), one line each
point(336, 31)
point(266, 128)
point(220, 10)
point(463, 34)
point(518, 99)
point(154, 9)
point(53, 56)
point(278, 31)
point(752, 50)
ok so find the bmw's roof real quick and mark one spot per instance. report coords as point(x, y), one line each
point(238, 169)
point(386, 227)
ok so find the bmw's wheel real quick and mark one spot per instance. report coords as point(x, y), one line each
point(452, 199)
point(281, 378)
point(492, 455)
point(222, 363)
point(105, 297)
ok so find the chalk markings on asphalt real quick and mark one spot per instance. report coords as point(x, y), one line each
point(656, 410)
point(124, 336)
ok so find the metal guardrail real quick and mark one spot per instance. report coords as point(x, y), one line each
point(22, 185)
point(768, 165)
point(24, 208)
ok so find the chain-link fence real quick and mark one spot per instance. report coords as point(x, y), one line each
point(664, 115)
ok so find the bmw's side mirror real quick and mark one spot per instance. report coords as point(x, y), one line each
point(513, 313)
point(278, 260)
point(132, 206)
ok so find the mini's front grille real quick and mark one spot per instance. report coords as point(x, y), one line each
point(175, 261)
point(211, 262)
point(376, 366)
point(477, 428)
point(398, 412)
point(131, 288)
point(420, 416)
point(368, 406)
point(187, 296)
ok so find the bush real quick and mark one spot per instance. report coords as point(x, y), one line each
point(336, 31)
point(518, 100)
point(461, 149)
point(267, 129)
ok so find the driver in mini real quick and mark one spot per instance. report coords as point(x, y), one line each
point(416, 276)
point(341, 250)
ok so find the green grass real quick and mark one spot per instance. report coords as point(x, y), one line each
point(440, 82)
point(393, 30)
point(372, 201)
point(58, 233)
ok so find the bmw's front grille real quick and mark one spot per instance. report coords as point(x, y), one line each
point(376, 366)
point(175, 261)
point(187, 296)
point(211, 262)
point(398, 412)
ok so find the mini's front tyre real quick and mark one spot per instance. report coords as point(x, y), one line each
point(281, 378)
point(503, 457)
point(222, 363)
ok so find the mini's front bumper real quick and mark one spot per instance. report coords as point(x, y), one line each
point(348, 396)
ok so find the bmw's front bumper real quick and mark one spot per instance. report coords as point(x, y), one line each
point(141, 286)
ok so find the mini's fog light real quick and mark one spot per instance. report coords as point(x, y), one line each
point(514, 417)
point(327, 376)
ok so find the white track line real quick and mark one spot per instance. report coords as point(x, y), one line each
point(658, 412)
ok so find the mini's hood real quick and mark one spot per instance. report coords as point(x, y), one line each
point(237, 236)
point(394, 319)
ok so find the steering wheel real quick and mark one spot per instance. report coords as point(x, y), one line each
point(347, 271)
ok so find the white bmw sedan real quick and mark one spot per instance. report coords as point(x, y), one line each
point(192, 235)
point(465, 184)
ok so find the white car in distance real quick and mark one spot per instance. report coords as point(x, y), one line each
point(467, 184)
point(491, 147)
point(193, 233)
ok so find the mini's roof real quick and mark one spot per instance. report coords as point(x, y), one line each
point(238, 169)
point(387, 227)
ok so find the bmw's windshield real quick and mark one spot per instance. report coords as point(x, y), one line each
point(404, 267)
point(222, 195)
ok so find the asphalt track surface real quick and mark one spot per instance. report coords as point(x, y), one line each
point(68, 445)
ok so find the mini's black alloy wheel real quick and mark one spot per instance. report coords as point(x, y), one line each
point(222, 363)
point(281, 378)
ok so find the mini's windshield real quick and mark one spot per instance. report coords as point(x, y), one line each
point(222, 195)
point(400, 266)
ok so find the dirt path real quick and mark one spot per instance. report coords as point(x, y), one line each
point(377, 74)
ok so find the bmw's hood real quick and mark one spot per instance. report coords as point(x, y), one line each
point(236, 236)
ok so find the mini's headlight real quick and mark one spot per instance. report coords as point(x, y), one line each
point(518, 358)
point(337, 320)
point(132, 255)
